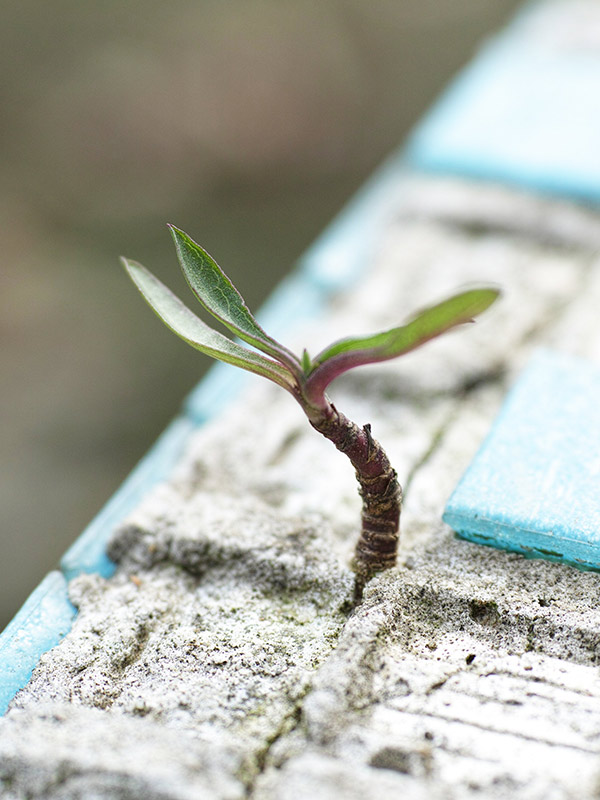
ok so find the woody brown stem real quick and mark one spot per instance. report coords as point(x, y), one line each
point(379, 488)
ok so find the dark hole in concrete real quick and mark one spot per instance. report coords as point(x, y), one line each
point(392, 758)
point(485, 612)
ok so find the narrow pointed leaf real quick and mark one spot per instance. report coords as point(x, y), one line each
point(306, 362)
point(195, 332)
point(219, 296)
point(424, 326)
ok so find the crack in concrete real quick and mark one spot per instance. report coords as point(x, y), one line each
point(289, 723)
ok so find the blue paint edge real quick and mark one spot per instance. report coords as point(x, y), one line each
point(500, 535)
point(43, 620)
point(336, 258)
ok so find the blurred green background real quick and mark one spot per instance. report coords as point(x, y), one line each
point(247, 123)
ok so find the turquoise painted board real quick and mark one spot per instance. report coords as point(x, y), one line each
point(88, 551)
point(533, 486)
point(526, 111)
point(45, 617)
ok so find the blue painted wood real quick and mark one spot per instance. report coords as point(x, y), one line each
point(43, 620)
point(88, 552)
point(533, 486)
point(526, 111)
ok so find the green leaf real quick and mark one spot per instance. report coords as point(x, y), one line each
point(219, 296)
point(425, 325)
point(192, 330)
point(306, 362)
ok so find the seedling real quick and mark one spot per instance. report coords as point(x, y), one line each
point(307, 379)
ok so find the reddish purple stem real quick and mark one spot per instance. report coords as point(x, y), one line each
point(379, 488)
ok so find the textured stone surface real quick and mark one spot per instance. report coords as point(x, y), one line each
point(225, 653)
point(67, 751)
point(213, 626)
point(477, 679)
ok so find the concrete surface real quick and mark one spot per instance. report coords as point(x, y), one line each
point(225, 659)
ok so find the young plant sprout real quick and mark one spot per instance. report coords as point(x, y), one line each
point(307, 378)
